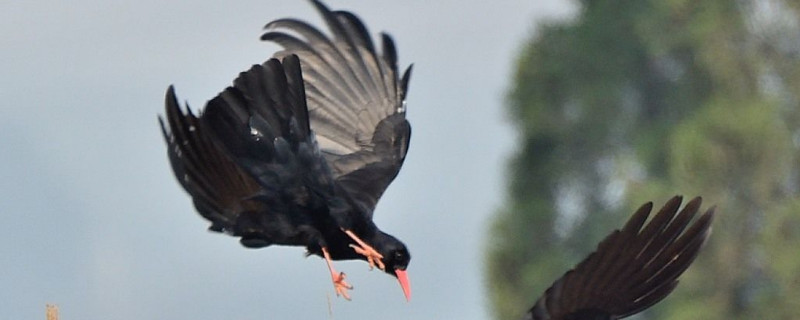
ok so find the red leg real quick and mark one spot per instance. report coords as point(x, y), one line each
point(373, 257)
point(339, 283)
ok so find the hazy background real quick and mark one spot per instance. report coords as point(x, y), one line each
point(638, 100)
point(95, 222)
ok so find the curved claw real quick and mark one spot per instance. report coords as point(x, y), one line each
point(341, 286)
point(373, 257)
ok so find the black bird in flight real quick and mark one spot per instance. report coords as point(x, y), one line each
point(632, 269)
point(299, 150)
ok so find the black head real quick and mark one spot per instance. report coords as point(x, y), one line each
point(395, 258)
point(395, 255)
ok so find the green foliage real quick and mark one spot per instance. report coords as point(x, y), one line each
point(635, 101)
point(732, 146)
point(780, 245)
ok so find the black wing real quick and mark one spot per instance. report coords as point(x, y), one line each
point(216, 184)
point(258, 153)
point(356, 100)
point(632, 269)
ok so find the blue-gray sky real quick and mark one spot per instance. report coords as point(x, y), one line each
point(95, 222)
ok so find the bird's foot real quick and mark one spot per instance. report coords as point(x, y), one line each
point(373, 257)
point(339, 284)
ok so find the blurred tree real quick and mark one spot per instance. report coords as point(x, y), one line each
point(638, 100)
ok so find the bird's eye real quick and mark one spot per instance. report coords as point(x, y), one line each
point(398, 255)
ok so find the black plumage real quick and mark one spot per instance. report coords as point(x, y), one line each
point(632, 269)
point(299, 150)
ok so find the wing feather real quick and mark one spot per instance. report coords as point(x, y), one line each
point(355, 97)
point(250, 161)
point(215, 183)
point(632, 269)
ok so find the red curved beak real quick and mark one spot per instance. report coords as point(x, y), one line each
point(402, 277)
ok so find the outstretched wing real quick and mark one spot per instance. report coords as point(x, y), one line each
point(632, 269)
point(262, 123)
point(260, 174)
point(216, 184)
point(356, 100)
